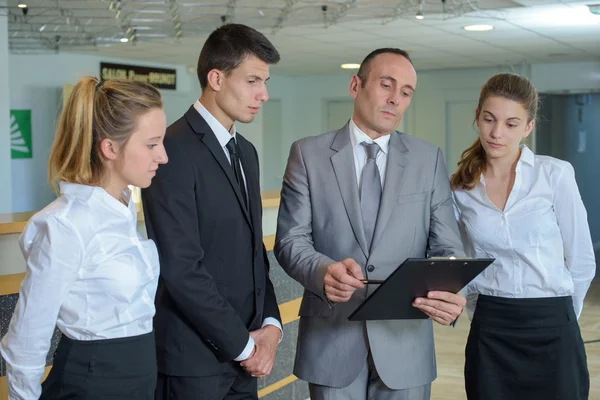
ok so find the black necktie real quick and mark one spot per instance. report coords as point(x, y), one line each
point(234, 155)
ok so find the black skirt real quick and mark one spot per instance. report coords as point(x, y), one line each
point(123, 368)
point(525, 349)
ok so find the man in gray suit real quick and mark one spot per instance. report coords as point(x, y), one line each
point(356, 203)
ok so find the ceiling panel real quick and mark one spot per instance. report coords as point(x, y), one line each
point(313, 36)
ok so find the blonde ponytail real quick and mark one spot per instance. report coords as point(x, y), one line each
point(95, 111)
point(71, 154)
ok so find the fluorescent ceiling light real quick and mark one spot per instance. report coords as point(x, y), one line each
point(155, 35)
point(566, 16)
point(478, 28)
point(145, 20)
point(149, 11)
point(350, 66)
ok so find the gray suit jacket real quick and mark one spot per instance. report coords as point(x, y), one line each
point(320, 222)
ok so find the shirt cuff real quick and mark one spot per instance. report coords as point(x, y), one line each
point(247, 350)
point(274, 322)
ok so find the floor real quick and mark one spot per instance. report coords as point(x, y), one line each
point(450, 345)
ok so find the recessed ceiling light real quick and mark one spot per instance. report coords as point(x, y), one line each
point(124, 40)
point(478, 28)
point(350, 66)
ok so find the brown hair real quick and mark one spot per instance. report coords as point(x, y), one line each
point(96, 110)
point(227, 46)
point(509, 86)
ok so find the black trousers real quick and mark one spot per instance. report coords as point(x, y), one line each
point(115, 369)
point(525, 349)
point(234, 385)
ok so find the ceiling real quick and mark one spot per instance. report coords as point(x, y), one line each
point(314, 37)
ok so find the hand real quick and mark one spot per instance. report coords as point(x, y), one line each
point(342, 279)
point(442, 307)
point(260, 363)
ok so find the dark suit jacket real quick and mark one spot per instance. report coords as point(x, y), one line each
point(214, 286)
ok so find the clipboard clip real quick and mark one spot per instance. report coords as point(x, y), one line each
point(380, 281)
point(450, 258)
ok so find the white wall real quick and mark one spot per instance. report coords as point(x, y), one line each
point(572, 76)
point(5, 166)
point(304, 103)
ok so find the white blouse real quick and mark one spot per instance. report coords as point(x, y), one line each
point(541, 240)
point(88, 272)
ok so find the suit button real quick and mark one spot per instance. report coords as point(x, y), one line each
point(258, 291)
point(370, 268)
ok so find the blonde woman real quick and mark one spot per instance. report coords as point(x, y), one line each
point(88, 270)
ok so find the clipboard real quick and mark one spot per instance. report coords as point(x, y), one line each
point(414, 278)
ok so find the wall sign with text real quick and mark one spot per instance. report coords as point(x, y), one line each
point(162, 78)
point(20, 134)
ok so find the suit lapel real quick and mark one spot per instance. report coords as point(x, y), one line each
point(343, 166)
point(209, 139)
point(396, 165)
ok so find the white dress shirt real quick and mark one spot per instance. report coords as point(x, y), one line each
point(360, 152)
point(224, 136)
point(87, 271)
point(541, 240)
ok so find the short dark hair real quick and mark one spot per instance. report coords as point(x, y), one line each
point(363, 71)
point(228, 45)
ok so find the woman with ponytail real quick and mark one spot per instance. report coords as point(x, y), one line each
point(88, 271)
point(525, 211)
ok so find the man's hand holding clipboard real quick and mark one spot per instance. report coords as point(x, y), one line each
point(421, 288)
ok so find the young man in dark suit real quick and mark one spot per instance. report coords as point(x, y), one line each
point(217, 322)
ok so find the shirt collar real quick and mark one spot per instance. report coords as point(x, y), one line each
point(357, 136)
point(222, 134)
point(88, 193)
point(527, 156)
